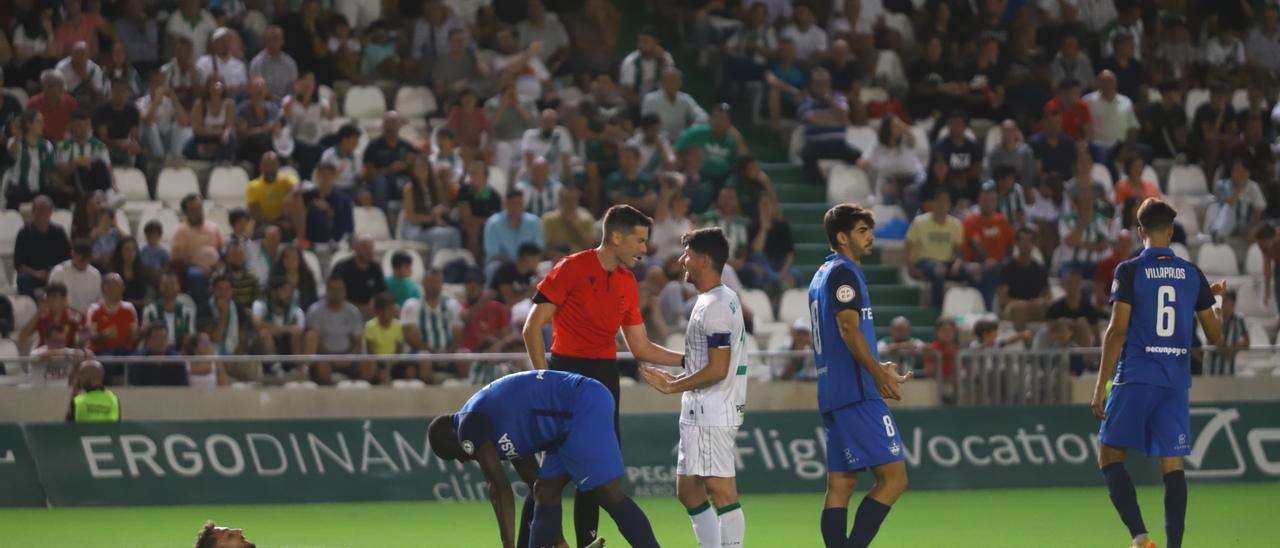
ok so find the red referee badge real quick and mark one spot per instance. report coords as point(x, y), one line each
point(845, 293)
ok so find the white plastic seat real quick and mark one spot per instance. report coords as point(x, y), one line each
point(442, 257)
point(337, 257)
point(19, 94)
point(24, 308)
point(408, 384)
point(1187, 180)
point(122, 223)
point(884, 213)
point(354, 384)
point(752, 346)
point(219, 216)
point(1259, 335)
point(1101, 173)
point(289, 171)
point(758, 302)
point(372, 221)
point(414, 103)
point(168, 219)
point(962, 301)
point(889, 70)
point(313, 264)
point(794, 305)
point(227, 185)
point(175, 183)
point(301, 385)
point(10, 223)
point(1249, 295)
point(63, 217)
point(1187, 216)
point(1240, 99)
point(848, 183)
point(1195, 98)
point(132, 184)
point(795, 147)
point(863, 137)
point(364, 103)
point(1180, 251)
point(1218, 260)
point(417, 270)
point(1254, 261)
point(993, 140)
point(499, 181)
point(9, 349)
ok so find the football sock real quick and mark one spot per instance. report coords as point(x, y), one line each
point(526, 517)
point(545, 528)
point(866, 523)
point(733, 525)
point(586, 517)
point(1124, 497)
point(1175, 507)
point(706, 528)
point(632, 523)
point(835, 527)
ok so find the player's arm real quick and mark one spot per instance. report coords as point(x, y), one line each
point(646, 350)
point(1113, 339)
point(717, 369)
point(886, 374)
point(539, 316)
point(1209, 320)
point(500, 494)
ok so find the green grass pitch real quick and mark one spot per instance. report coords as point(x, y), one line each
point(1219, 515)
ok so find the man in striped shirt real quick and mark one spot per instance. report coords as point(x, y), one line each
point(173, 310)
point(1235, 337)
point(541, 191)
point(1010, 200)
point(432, 324)
point(82, 160)
point(1084, 233)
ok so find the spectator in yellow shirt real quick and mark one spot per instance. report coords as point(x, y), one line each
point(271, 194)
point(934, 246)
point(382, 333)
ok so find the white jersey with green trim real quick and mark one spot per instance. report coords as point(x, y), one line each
point(716, 322)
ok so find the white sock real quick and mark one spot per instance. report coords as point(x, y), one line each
point(705, 525)
point(1141, 540)
point(733, 525)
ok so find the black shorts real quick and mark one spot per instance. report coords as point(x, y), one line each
point(605, 371)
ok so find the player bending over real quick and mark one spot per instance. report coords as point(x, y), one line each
point(714, 394)
point(568, 416)
point(1148, 408)
point(852, 384)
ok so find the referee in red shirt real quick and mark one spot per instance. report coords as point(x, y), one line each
point(587, 298)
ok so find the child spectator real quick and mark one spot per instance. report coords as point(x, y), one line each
point(154, 255)
point(382, 333)
point(400, 283)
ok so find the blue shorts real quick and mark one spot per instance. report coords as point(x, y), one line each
point(1153, 419)
point(590, 454)
point(860, 436)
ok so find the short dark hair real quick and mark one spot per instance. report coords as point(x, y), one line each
point(1265, 232)
point(55, 327)
point(182, 205)
point(153, 227)
point(515, 193)
point(648, 30)
point(445, 133)
point(709, 241)
point(400, 258)
point(219, 278)
point(624, 219)
point(382, 300)
point(528, 248)
point(237, 214)
point(842, 218)
point(1068, 83)
point(277, 282)
point(650, 119)
point(82, 247)
point(1002, 171)
point(982, 327)
point(1229, 295)
point(348, 131)
point(442, 435)
point(204, 538)
point(55, 288)
point(1155, 215)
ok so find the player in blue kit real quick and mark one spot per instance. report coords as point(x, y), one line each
point(518, 416)
point(852, 384)
point(1160, 296)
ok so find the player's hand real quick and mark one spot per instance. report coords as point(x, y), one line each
point(1220, 288)
point(889, 380)
point(1099, 403)
point(659, 379)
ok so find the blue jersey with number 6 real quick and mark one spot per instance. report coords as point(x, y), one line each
point(1165, 293)
point(840, 285)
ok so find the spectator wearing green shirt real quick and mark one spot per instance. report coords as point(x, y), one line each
point(628, 185)
point(400, 283)
point(603, 158)
point(719, 141)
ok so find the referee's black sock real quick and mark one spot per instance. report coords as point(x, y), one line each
point(866, 523)
point(1175, 507)
point(526, 519)
point(835, 524)
point(545, 528)
point(632, 523)
point(586, 517)
point(1124, 497)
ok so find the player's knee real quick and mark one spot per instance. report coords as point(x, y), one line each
point(545, 493)
point(610, 493)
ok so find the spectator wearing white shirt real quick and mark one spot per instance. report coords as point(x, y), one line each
point(220, 61)
point(343, 156)
point(894, 160)
point(779, 10)
point(545, 27)
point(676, 109)
point(522, 65)
point(166, 124)
point(1225, 53)
point(1264, 41)
point(1095, 15)
point(467, 9)
point(857, 17)
point(510, 116)
point(1113, 116)
point(641, 69)
point(657, 156)
point(84, 79)
point(541, 191)
point(1238, 203)
point(551, 142)
point(193, 23)
point(810, 39)
point(83, 281)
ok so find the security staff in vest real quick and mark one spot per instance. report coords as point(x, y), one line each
point(90, 401)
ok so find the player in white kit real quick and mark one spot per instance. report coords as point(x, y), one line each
point(714, 394)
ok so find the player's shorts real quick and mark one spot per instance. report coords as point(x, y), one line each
point(860, 436)
point(1153, 419)
point(590, 454)
point(707, 451)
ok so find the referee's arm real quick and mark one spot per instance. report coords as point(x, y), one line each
point(646, 350)
point(534, 345)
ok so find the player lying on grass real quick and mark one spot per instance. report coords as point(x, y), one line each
point(1148, 406)
point(212, 536)
point(714, 394)
point(568, 416)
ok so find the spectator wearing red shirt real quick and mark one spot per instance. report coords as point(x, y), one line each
point(53, 310)
point(79, 25)
point(590, 295)
point(987, 237)
point(54, 103)
point(1133, 185)
point(1077, 120)
point(1121, 249)
point(112, 322)
point(469, 124)
point(486, 321)
point(944, 346)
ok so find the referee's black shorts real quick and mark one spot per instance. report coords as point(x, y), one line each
point(605, 371)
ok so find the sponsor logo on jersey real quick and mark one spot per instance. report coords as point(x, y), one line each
point(468, 447)
point(507, 446)
point(845, 293)
point(894, 449)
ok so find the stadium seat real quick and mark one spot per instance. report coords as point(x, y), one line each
point(1259, 335)
point(921, 137)
point(1180, 251)
point(795, 147)
point(443, 257)
point(7, 286)
point(1240, 100)
point(408, 384)
point(354, 384)
point(752, 345)
point(337, 257)
point(24, 308)
point(373, 222)
point(1253, 261)
point(313, 264)
point(364, 104)
point(122, 223)
point(863, 137)
point(219, 216)
point(1101, 173)
point(289, 171)
point(456, 291)
point(499, 181)
point(889, 70)
point(795, 304)
point(848, 183)
point(1187, 180)
point(168, 219)
point(962, 301)
point(674, 341)
point(9, 349)
point(1218, 260)
point(418, 269)
point(884, 213)
point(1195, 98)
point(227, 185)
point(414, 103)
point(175, 183)
point(1187, 214)
point(301, 385)
point(19, 94)
point(1249, 293)
point(10, 223)
point(758, 302)
point(132, 184)
point(571, 95)
point(63, 217)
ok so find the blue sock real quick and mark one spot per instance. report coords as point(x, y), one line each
point(545, 529)
point(1175, 507)
point(1124, 497)
point(866, 523)
point(526, 519)
point(632, 523)
point(835, 527)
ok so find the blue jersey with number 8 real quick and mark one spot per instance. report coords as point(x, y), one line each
point(839, 285)
point(1165, 293)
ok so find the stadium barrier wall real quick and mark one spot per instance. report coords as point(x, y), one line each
point(209, 462)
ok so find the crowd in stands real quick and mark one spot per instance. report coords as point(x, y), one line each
point(410, 169)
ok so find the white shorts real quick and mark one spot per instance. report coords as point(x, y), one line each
point(707, 451)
